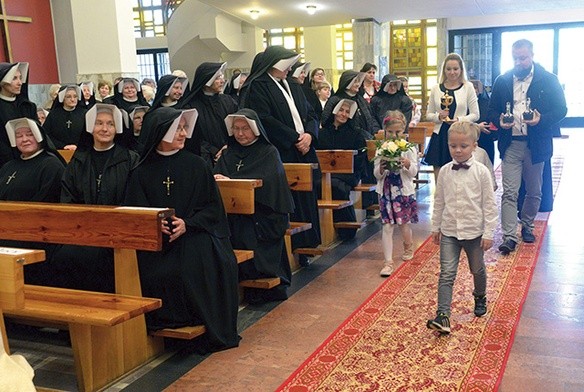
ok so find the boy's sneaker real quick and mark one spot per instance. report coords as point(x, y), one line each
point(480, 308)
point(408, 252)
point(387, 270)
point(441, 324)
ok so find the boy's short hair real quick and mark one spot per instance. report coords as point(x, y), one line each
point(465, 128)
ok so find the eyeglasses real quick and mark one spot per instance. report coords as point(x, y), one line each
point(240, 129)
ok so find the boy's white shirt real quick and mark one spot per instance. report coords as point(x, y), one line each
point(464, 202)
point(407, 175)
point(481, 155)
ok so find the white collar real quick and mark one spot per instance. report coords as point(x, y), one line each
point(7, 98)
point(32, 156)
point(104, 149)
point(167, 153)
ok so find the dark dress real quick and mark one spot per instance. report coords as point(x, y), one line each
point(345, 137)
point(20, 107)
point(195, 275)
point(261, 94)
point(93, 177)
point(119, 100)
point(382, 102)
point(210, 134)
point(263, 232)
point(437, 152)
point(486, 140)
point(37, 179)
point(65, 127)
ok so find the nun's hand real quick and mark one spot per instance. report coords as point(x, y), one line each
point(218, 155)
point(178, 228)
point(72, 147)
point(303, 143)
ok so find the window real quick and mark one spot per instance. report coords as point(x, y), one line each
point(290, 38)
point(344, 46)
point(414, 53)
point(477, 52)
point(151, 17)
point(153, 63)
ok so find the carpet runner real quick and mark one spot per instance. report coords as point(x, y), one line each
point(385, 345)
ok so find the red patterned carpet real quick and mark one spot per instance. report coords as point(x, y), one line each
point(385, 345)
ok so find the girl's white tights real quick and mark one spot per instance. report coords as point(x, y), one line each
point(387, 238)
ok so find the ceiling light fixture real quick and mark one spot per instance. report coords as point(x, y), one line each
point(311, 9)
point(254, 14)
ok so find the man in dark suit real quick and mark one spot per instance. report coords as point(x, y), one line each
point(536, 104)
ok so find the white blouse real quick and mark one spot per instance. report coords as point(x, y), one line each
point(466, 101)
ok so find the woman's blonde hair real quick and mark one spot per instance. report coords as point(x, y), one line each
point(455, 57)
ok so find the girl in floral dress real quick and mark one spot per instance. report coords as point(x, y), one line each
point(395, 187)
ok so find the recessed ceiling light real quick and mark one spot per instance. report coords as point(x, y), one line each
point(254, 14)
point(311, 9)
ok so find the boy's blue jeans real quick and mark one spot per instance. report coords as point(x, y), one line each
point(450, 248)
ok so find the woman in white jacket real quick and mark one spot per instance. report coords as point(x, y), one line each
point(453, 99)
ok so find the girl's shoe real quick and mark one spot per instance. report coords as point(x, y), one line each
point(387, 269)
point(408, 252)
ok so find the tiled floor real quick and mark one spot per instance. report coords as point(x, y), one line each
point(547, 354)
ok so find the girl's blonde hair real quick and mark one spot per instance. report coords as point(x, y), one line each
point(394, 117)
point(465, 128)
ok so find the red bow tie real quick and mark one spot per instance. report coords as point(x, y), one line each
point(458, 166)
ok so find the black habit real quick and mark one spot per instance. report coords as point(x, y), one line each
point(195, 275)
point(262, 94)
point(345, 137)
point(65, 126)
point(264, 231)
point(35, 179)
point(10, 109)
point(210, 133)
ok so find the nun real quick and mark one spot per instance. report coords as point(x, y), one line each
point(250, 155)
point(206, 95)
point(169, 92)
point(127, 94)
point(195, 273)
point(66, 119)
point(97, 174)
point(14, 103)
point(34, 176)
point(290, 124)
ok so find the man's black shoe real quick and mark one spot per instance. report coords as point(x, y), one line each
point(527, 235)
point(480, 308)
point(507, 247)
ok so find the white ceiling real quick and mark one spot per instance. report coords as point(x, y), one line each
point(292, 13)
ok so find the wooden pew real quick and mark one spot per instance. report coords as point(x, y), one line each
point(66, 154)
point(238, 197)
point(333, 161)
point(299, 176)
point(102, 352)
point(417, 135)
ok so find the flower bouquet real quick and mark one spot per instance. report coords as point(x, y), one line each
point(390, 151)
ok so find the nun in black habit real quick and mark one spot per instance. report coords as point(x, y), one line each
point(206, 95)
point(14, 103)
point(127, 95)
point(338, 133)
point(66, 120)
point(391, 96)
point(290, 125)
point(34, 176)
point(169, 91)
point(195, 273)
point(250, 155)
point(97, 174)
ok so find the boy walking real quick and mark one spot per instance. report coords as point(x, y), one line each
point(464, 217)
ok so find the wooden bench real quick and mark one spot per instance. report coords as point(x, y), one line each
point(102, 353)
point(417, 135)
point(333, 162)
point(300, 179)
point(66, 154)
point(238, 197)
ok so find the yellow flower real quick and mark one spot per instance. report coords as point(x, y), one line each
point(402, 144)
